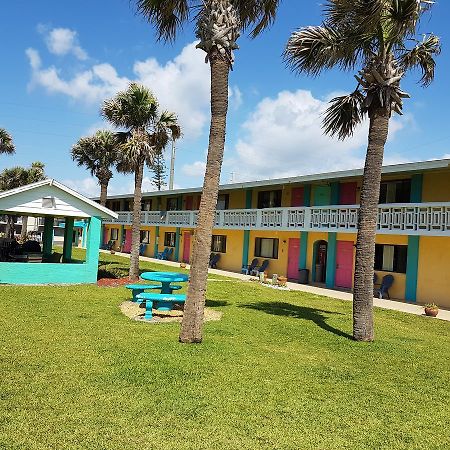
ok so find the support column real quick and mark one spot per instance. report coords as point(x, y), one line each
point(176, 255)
point(416, 188)
point(307, 195)
point(47, 238)
point(68, 237)
point(334, 195)
point(246, 244)
point(412, 268)
point(331, 260)
point(93, 241)
point(155, 249)
point(302, 261)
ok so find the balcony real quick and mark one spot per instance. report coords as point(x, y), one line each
point(431, 219)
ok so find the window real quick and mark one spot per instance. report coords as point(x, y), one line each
point(395, 191)
point(222, 201)
point(114, 234)
point(145, 237)
point(269, 199)
point(169, 239)
point(114, 205)
point(146, 205)
point(219, 244)
point(266, 248)
point(172, 204)
point(391, 258)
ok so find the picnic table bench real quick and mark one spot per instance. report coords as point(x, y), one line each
point(162, 302)
point(137, 289)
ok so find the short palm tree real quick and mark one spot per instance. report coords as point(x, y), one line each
point(99, 154)
point(147, 132)
point(219, 25)
point(6, 142)
point(373, 35)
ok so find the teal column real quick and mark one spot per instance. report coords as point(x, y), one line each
point(102, 234)
point(307, 195)
point(93, 241)
point(412, 268)
point(245, 248)
point(248, 198)
point(177, 244)
point(416, 188)
point(68, 238)
point(122, 237)
point(303, 250)
point(155, 249)
point(331, 260)
point(334, 195)
point(47, 238)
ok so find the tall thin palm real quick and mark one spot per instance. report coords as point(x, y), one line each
point(147, 132)
point(374, 36)
point(6, 142)
point(219, 25)
point(98, 153)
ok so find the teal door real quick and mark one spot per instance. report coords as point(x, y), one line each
point(321, 195)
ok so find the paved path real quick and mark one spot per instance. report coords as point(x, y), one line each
point(385, 304)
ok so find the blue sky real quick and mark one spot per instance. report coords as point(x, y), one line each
point(61, 59)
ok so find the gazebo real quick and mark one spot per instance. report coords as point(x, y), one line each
point(51, 200)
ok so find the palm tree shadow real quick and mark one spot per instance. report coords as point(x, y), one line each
point(299, 312)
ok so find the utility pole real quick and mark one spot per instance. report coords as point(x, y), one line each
point(172, 166)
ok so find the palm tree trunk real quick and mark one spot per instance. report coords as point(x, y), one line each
point(103, 193)
point(136, 223)
point(192, 324)
point(367, 226)
point(23, 232)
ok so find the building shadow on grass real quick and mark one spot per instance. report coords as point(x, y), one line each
point(318, 316)
point(216, 303)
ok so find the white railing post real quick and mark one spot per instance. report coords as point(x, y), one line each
point(307, 223)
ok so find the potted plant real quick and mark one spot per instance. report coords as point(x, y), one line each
point(431, 309)
point(183, 265)
point(282, 281)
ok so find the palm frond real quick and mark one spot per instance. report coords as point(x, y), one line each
point(6, 142)
point(257, 14)
point(313, 49)
point(343, 115)
point(167, 16)
point(422, 56)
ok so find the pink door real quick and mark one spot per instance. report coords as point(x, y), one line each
point(297, 197)
point(293, 256)
point(186, 246)
point(127, 244)
point(344, 264)
point(347, 194)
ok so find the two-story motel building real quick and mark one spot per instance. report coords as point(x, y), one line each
point(310, 222)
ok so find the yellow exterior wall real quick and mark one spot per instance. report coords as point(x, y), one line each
point(436, 187)
point(433, 284)
point(236, 199)
point(232, 259)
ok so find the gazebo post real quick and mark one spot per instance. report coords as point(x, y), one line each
point(93, 240)
point(68, 238)
point(47, 238)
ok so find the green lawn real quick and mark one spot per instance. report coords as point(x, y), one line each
point(277, 372)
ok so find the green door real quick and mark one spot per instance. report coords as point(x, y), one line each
point(321, 195)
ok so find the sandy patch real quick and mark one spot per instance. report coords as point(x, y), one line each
point(135, 311)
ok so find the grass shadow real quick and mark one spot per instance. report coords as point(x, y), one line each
point(216, 303)
point(317, 316)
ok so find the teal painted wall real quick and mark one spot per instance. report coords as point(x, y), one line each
point(334, 194)
point(248, 198)
point(321, 195)
point(176, 255)
point(68, 239)
point(331, 260)
point(416, 188)
point(412, 268)
point(155, 249)
point(60, 273)
point(302, 261)
point(245, 248)
point(307, 195)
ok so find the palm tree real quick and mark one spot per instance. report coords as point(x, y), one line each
point(374, 36)
point(6, 142)
point(98, 153)
point(219, 25)
point(147, 132)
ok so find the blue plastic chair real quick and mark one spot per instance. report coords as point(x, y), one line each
point(142, 249)
point(251, 267)
point(386, 284)
point(163, 254)
point(214, 260)
point(262, 267)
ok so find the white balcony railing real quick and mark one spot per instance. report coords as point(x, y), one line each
point(410, 219)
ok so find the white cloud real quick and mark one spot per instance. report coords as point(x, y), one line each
point(283, 137)
point(235, 96)
point(196, 169)
point(182, 84)
point(87, 186)
point(62, 41)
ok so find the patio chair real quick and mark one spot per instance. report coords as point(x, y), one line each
point(142, 249)
point(163, 254)
point(386, 284)
point(248, 269)
point(262, 268)
point(214, 261)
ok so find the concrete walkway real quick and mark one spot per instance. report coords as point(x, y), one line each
point(394, 305)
